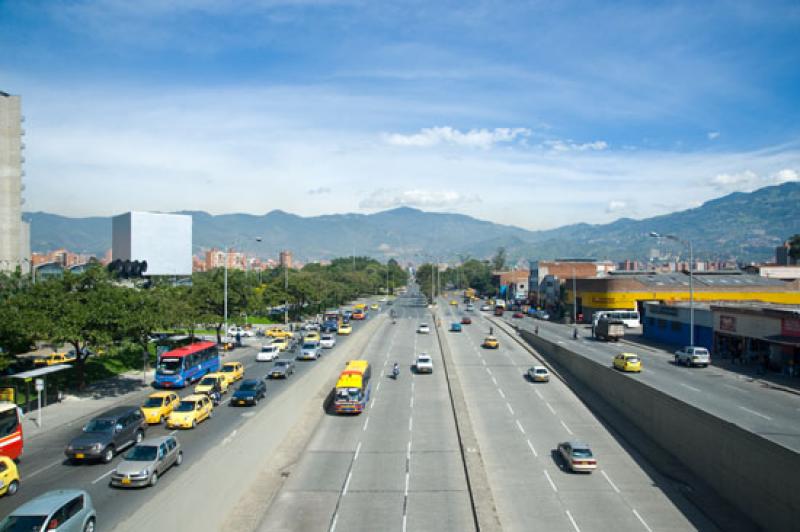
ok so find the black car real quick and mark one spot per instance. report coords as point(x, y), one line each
point(107, 434)
point(250, 392)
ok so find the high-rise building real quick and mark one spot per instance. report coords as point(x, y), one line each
point(286, 258)
point(14, 233)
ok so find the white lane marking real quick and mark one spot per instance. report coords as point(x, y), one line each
point(483, 361)
point(609, 481)
point(759, 414)
point(408, 477)
point(732, 387)
point(45, 468)
point(551, 408)
point(374, 400)
point(539, 394)
point(533, 450)
point(550, 480)
point(174, 432)
point(225, 401)
point(488, 371)
point(508, 405)
point(347, 483)
point(519, 426)
point(95, 481)
point(410, 423)
point(229, 438)
point(358, 450)
point(333, 525)
point(408, 451)
point(411, 402)
point(642, 520)
point(571, 519)
point(690, 387)
point(501, 393)
point(494, 381)
point(378, 387)
point(404, 522)
point(366, 422)
point(382, 373)
point(412, 386)
point(566, 427)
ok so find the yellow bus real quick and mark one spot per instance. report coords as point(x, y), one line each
point(353, 388)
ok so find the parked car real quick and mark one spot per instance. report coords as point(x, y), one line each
point(55, 359)
point(309, 351)
point(693, 356)
point(455, 327)
point(144, 464)
point(577, 456)
point(232, 371)
point(466, 320)
point(539, 374)
point(107, 434)
point(423, 364)
point(423, 328)
point(192, 410)
point(268, 353)
point(9, 476)
point(628, 362)
point(282, 369)
point(490, 342)
point(250, 392)
point(60, 510)
point(327, 341)
point(159, 405)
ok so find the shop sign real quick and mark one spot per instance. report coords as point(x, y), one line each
point(727, 323)
point(790, 327)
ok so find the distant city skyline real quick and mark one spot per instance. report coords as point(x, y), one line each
point(531, 115)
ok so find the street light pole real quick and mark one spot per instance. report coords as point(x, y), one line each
point(574, 299)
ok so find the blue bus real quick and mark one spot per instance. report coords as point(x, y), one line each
point(186, 365)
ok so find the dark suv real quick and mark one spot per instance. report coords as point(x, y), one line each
point(107, 434)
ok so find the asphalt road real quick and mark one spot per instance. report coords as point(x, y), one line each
point(768, 412)
point(397, 466)
point(44, 466)
point(518, 425)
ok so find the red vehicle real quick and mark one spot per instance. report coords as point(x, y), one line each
point(518, 315)
point(11, 441)
point(466, 320)
point(358, 315)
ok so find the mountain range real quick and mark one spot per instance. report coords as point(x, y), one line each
point(745, 226)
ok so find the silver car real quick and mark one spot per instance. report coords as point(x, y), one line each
point(62, 510)
point(146, 462)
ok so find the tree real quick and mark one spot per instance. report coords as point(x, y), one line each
point(499, 259)
point(207, 296)
point(794, 248)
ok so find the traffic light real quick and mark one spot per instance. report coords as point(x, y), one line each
point(127, 269)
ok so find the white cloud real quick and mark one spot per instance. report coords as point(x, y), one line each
point(319, 190)
point(713, 135)
point(474, 138)
point(383, 198)
point(748, 180)
point(616, 206)
point(568, 145)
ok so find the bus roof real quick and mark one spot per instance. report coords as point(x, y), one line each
point(350, 380)
point(359, 366)
point(188, 349)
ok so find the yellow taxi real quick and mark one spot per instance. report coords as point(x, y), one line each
point(193, 409)
point(159, 405)
point(490, 342)
point(281, 343)
point(628, 362)
point(313, 336)
point(233, 371)
point(207, 383)
point(345, 329)
point(278, 333)
point(375, 306)
point(454, 302)
point(55, 358)
point(9, 476)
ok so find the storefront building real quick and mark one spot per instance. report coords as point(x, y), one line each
point(671, 324)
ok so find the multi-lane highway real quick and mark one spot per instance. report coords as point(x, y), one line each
point(397, 466)
point(768, 412)
point(518, 425)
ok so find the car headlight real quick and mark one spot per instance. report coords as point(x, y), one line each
point(97, 446)
point(70, 447)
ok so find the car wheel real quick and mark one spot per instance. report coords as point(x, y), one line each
point(12, 488)
point(194, 423)
point(89, 526)
point(160, 419)
point(210, 414)
point(139, 436)
point(154, 479)
point(108, 454)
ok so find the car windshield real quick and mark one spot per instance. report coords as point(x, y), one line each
point(327, 337)
point(309, 346)
point(247, 386)
point(540, 370)
point(208, 381)
point(99, 425)
point(185, 406)
point(153, 402)
point(268, 349)
point(23, 523)
point(424, 360)
point(142, 453)
point(699, 351)
point(632, 360)
point(348, 394)
point(281, 363)
point(581, 452)
point(169, 365)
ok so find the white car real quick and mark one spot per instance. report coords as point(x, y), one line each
point(693, 356)
point(423, 328)
point(424, 364)
point(470, 306)
point(539, 374)
point(485, 307)
point(232, 331)
point(327, 341)
point(268, 353)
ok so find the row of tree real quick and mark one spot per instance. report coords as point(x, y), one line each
point(470, 273)
point(93, 310)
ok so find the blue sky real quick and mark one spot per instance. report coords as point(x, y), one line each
point(533, 113)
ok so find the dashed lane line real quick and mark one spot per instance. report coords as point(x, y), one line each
point(519, 426)
point(532, 448)
point(572, 520)
point(508, 405)
point(45, 468)
point(104, 475)
point(347, 483)
point(609, 481)
point(552, 410)
point(566, 427)
point(539, 394)
point(641, 520)
point(366, 424)
point(358, 450)
point(690, 387)
point(759, 414)
point(550, 480)
point(500, 391)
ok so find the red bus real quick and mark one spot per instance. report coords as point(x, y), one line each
point(10, 430)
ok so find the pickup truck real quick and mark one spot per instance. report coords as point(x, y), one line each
point(693, 356)
point(424, 364)
point(609, 330)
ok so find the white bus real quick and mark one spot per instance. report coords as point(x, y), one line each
point(630, 318)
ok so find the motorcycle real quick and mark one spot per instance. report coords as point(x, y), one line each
point(395, 372)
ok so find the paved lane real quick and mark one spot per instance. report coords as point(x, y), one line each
point(397, 466)
point(767, 412)
point(519, 423)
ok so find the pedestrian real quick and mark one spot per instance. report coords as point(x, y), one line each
point(238, 339)
point(536, 330)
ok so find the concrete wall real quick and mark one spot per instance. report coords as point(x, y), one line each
point(756, 475)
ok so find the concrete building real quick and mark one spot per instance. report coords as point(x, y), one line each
point(15, 237)
point(163, 240)
point(285, 259)
point(782, 257)
point(513, 284)
point(669, 323)
point(548, 276)
point(216, 258)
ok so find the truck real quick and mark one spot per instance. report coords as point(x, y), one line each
point(610, 330)
point(469, 295)
point(499, 307)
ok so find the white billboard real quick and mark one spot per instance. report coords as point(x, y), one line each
point(163, 240)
